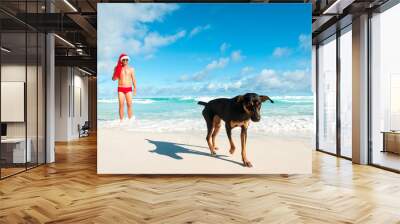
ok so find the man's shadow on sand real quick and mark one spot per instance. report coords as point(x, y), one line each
point(171, 149)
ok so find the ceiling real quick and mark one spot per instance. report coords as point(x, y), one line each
point(75, 21)
point(331, 15)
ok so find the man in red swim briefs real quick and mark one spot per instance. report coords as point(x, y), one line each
point(126, 77)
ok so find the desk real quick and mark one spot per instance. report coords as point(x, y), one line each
point(15, 148)
point(391, 141)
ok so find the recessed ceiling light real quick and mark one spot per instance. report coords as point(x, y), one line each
point(64, 40)
point(70, 5)
point(337, 7)
point(5, 50)
point(84, 71)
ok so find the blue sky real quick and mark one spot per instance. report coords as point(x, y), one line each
point(207, 49)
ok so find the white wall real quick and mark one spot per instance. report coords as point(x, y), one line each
point(14, 72)
point(81, 84)
point(70, 83)
point(62, 81)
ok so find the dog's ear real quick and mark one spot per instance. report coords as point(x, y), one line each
point(265, 98)
point(239, 98)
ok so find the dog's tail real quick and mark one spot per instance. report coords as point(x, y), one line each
point(202, 103)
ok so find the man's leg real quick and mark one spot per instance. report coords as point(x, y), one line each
point(121, 98)
point(128, 97)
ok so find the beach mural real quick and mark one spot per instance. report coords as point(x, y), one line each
point(156, 62)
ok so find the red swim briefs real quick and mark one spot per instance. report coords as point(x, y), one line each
point(124, 89)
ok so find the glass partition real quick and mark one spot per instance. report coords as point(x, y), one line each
point(346, 92)
point(385, 89)
point(327, 95)
point(32, 84)
point(31, 98)
point(13, 94)
point(22, 77)
point(41, 109)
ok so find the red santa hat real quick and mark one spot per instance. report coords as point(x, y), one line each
point(118, 67)
point(124, 56)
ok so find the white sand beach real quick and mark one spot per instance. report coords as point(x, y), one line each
point(126, 152)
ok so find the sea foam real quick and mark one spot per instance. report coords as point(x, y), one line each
point(299, 126)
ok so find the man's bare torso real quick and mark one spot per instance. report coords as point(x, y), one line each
point(126, 76)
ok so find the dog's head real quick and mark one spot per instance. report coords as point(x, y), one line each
point(251, 103)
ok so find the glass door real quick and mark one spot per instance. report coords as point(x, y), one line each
point(385, 89)
point(346, 92)
point(327, 95)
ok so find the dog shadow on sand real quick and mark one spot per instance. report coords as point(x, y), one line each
point(172, 149)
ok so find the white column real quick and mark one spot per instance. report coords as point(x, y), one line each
point(360, 90)
point(50, 91)
point(50, 100)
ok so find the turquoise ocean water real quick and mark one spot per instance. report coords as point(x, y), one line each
point(289, 115)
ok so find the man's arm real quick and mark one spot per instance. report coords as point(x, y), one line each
point(133, 81)
point(114, 78)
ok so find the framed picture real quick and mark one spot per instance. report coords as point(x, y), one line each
point(204, 88)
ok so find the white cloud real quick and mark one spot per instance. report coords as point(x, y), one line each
point(267, 80)
point(303, 63)
point(184, 77)
point(125, 30)
point(291, 80)
point(267, 73)
point(246, 70)
point(305, 41)
point(199, 29)
point(229, 86)
point(211, 86)
point(224, 46)
point(281, 51)
point(149, 56)
point(296, 75)
point(220, 63)
point(237, 55)
point(154, 40)
point(200, 75)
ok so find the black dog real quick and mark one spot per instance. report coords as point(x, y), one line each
point(235, 112)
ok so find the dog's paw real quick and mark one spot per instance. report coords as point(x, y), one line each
point(213, 153)
point(232, 150)
point(247, 163)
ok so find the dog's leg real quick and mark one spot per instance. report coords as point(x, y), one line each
point(243, 140)
point(209, 121)
point(210, 128)
point(208, 138)
point(217, 126)
point(229, 133)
